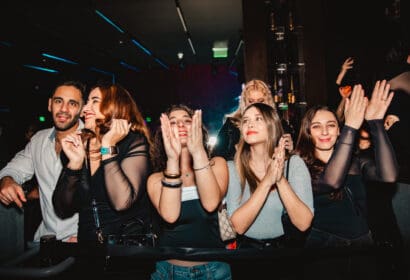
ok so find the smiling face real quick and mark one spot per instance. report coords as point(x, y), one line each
point(324, 130)
point(91, 110)
point(180, 122)
point(253, 126)
point(65, 107)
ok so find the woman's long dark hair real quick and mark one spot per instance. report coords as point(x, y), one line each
point(242, 156)
point(158, 155)
point(305, 146)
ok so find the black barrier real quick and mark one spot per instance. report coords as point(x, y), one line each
point(126, 257)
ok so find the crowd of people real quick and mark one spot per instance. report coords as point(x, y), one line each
point(102, 174)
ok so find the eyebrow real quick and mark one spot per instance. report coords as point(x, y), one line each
point(332, 121)
point(70, 100)
point(183, 117)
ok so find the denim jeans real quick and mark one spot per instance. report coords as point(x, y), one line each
point(322, 239)
point(208, 271)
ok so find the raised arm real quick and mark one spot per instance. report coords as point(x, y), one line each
point(211, 175)
point(347, 64)
point(167, 200)
point(384, 167)
point(339, 163)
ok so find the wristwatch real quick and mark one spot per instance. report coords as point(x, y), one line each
point(113, 150)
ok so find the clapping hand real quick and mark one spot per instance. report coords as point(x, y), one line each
point(355, 107)
point(275, 168)
point(195, 141)
point(170, 137)
point(379, 101)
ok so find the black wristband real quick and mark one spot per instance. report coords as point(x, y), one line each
point(171, 185)
point(71, 172)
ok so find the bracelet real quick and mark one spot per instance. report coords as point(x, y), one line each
point(175, 185)
point(203, 167)
point(171, 176)
point(113, 150)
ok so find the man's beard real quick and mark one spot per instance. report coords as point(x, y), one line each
point(69, 125)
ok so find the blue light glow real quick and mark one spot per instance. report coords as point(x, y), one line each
point(7, 44)
point(233, 73)
point(58, 58)
point(162, 63)
point(109, 21)
point(130, 66)
point(141, 47)
point(101, 71)
point(40, 68)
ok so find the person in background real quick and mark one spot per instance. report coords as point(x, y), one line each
point(229, 134)
point(40, 157)
point(186, 189)
point(106, 167)
point(344, 85)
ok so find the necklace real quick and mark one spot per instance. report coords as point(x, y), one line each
point(95, 157)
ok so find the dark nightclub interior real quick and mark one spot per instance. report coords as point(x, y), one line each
point(198, 53)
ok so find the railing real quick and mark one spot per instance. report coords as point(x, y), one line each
point(62, 256)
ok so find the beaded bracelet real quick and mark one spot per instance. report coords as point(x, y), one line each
point(210, 163)
point(171, 176)
point(175, 185)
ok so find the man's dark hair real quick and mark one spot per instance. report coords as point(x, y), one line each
point(77, 84)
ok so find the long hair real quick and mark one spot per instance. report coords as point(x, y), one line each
point(242, 156)
point(158, 155)
point(252, 85)
point(117, 103)
point(305, 146)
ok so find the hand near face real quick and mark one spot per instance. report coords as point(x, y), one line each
point(118, 130)
point(288, 142)
point(73, 148)
point(355, 107)
point(195, 143)
point(379, 101)
point(170, 137)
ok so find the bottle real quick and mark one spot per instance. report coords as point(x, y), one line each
point(291, 24)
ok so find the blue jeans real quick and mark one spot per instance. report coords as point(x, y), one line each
point(322, 239)
point(208, 271)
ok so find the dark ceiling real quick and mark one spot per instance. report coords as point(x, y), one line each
point(76, 30)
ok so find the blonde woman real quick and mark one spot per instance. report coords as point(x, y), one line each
point(254, 91)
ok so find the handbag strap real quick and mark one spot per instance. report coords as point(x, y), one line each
point(287, 167)
point(94, 207)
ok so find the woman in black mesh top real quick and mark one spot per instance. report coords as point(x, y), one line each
point(337, 173)
point(106, 167)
